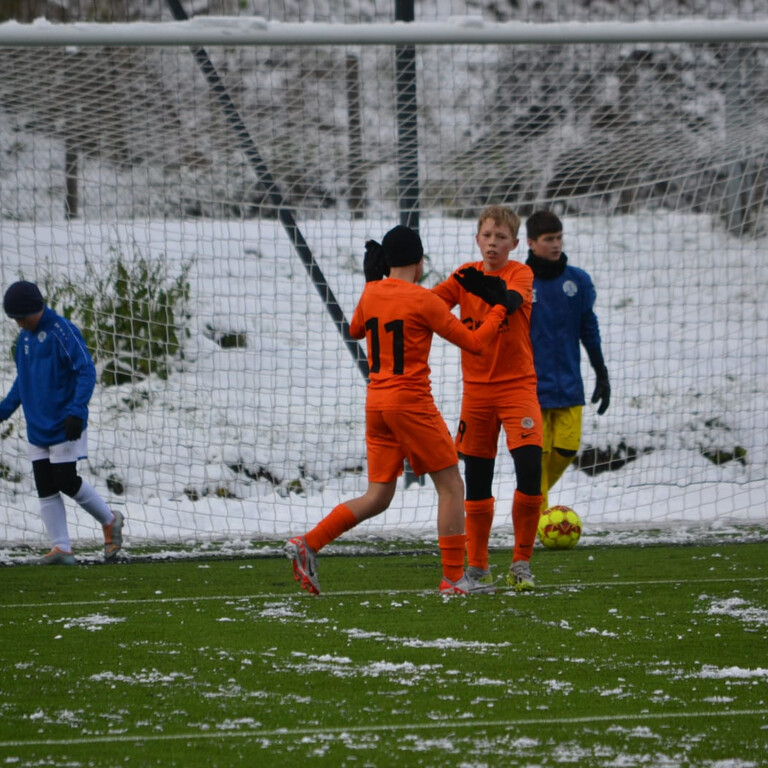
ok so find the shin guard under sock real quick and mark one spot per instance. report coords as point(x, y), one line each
point(477, 522)
point(93, 504)
point(54, 515)
point(339, 520)
point(525, 521)
point(452, 555)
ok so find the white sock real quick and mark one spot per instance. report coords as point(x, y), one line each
point(93, 504)
point(54, 515)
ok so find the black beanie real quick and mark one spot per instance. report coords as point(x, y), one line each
point(23, 299)
point(402, 247)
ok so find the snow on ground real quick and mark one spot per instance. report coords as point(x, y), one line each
point(261, 441)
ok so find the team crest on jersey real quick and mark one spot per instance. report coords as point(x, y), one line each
point(527, 423)
point(570, 288)
point(42, 336)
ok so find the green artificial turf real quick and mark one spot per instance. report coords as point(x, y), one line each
point(623, 656)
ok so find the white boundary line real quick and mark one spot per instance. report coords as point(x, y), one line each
point(342, 730)
point(503, 589)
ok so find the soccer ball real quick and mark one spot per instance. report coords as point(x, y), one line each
point(559, 528)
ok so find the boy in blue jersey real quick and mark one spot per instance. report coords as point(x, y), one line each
point(562, 318)
point(54, 383)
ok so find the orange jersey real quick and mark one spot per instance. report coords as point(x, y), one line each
point(508, 360)
point(398, 320)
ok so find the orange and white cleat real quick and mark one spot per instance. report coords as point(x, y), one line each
point(113, 537)
point(57, 557)
point(466, 585)
point(304, 560)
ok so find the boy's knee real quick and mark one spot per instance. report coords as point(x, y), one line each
point(51, 479)
point(66, 478)
point(527, 460)
point(44, 480)
point(478, 477)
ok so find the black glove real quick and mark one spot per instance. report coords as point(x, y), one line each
point(73, 427)
point(375, 266)
point(602, 393)
point(491, 289)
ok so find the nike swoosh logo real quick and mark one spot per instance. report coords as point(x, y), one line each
point(524, 435)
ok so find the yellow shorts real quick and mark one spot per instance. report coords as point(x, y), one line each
point(562, 428)
point(421, 437)
point(480, 422)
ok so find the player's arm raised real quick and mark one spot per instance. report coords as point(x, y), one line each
point(489, 288)
point(447, 325)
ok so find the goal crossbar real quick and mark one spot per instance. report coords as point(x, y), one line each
point(459, 31)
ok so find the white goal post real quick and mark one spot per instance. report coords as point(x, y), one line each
point(240, 192)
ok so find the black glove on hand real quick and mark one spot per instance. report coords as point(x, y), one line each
point(470, 279)
point(602, 393)
point(73, 427)
point(491, 289)
point(374, 265)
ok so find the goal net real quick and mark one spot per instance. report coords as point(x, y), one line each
point(229, 407)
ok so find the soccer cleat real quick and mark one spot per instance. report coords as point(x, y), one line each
point(304, 562)
point(520, 576)
point(57, 557)
point(480, 575)
point(113, 537)
point(466, 585)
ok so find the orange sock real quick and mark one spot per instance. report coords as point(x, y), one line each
point(525, 521)
point(452, 555)
point(478, 521)
point(339, 520)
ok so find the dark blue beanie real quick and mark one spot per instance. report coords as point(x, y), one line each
point(402, 247)
point(23, 299)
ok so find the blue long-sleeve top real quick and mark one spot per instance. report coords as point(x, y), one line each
point(55, 378)
point(562, 318)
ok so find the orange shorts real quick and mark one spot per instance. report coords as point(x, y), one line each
point(480, 422)
point(420, 436)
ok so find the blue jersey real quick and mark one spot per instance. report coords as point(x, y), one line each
point(55, 379)
point(562, 317)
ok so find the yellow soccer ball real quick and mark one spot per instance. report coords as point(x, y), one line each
point(559, 528)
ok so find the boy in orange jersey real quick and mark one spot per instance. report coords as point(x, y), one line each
point(397, 317)
point(499, 390)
